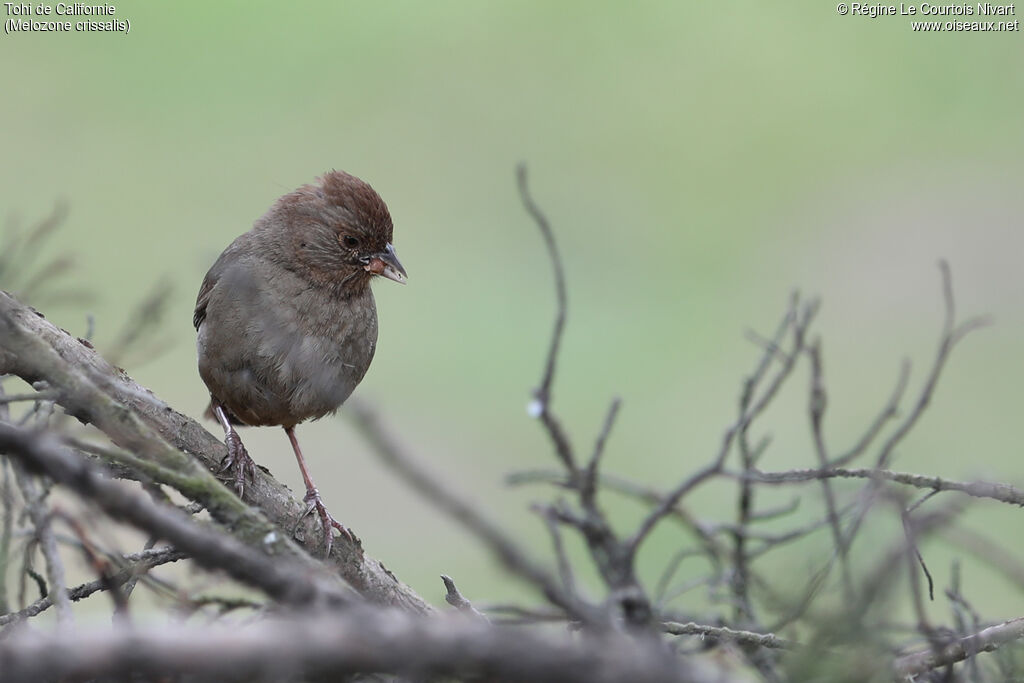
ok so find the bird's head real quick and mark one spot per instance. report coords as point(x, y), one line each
point(339, 230)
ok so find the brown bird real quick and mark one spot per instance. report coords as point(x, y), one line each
point(286, 319)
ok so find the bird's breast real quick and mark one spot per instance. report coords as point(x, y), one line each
point(284, 351)
point(325, 350)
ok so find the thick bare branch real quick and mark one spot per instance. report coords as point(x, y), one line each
point(94, 391)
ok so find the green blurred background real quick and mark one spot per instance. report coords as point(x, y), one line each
point(698, 161)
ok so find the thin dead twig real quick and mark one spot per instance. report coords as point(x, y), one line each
point(1004, 493)
point(986, 640)
point(952, 333)
point(588, 488)
point(139, 563)
point(668, 503)
point(457, 600)
point(816, 409)
point(540, 407)
point(41, 522)
point(768, 640)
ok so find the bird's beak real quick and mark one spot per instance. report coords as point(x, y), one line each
point(386, 263)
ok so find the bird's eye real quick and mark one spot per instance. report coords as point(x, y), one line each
point(351, 242)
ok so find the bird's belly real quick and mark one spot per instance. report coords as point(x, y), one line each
point(281, 375)
point(317, 375)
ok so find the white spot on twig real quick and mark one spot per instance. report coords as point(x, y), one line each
point(535, 408)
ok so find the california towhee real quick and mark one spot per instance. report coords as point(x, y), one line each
point(286, 319)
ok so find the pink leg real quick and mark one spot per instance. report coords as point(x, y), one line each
point(313, 501)
point(237, 463)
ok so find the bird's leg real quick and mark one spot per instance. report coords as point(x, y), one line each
point(313, 501)
point(237, 464)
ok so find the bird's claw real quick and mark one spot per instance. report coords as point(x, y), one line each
point(237, 466)
point(314, 502)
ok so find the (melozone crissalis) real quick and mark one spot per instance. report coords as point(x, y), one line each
point(286, 319)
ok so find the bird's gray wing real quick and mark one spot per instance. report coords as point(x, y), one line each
point(214, 275)
point(204, 297)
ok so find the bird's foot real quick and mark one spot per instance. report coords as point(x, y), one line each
point(314, 502)
point(236, 467)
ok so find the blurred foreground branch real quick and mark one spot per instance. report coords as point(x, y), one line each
point(360, 639)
